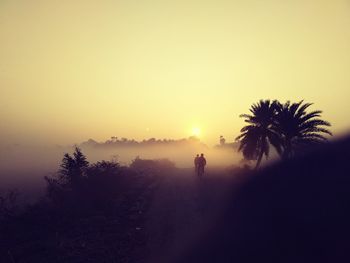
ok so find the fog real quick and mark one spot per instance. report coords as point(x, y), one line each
point(23, 167)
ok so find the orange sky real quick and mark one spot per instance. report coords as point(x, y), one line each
point(73, 70)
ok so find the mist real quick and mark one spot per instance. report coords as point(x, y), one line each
point(23, 167)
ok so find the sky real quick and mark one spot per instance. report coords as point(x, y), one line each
point(74, 70)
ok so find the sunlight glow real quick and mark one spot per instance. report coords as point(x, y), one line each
point(196, 131)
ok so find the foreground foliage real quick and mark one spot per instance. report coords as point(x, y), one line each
point(91, 213)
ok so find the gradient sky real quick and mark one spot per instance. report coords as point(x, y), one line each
point(73, 70)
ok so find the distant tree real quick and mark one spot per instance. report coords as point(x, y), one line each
point(149, 165)
point(297, 128)
point(192, 139)
point(222, 140)
point(256, 137)
point(114, 138)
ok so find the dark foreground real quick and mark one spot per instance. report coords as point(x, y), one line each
point(158, 210)
point(45, 233)
point(182, 206)
point(295, 211)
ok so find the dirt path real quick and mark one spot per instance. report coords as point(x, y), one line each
point(182, 204)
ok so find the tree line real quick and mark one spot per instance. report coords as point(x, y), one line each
point(115, 141)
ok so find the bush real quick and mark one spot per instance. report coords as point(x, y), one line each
point(80, 188)
point(8, 204)
point(153, 166)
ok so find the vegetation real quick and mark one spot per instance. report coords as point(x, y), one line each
point(8, 204)
point(72, 170)
point(256, 137)
point(92, 212)
point(287, 127)
point(299, 129)
point(125, 142)
point(153, 166)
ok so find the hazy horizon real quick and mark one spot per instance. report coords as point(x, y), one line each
point(24, 167)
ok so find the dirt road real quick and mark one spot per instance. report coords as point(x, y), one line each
point(181, 206)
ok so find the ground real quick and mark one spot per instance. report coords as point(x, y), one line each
point(154, 222)
point(182, 205)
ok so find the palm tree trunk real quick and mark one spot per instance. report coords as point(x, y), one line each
point(287, 150)
point(259, 160)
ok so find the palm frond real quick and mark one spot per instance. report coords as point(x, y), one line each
point(293, 108)
point(302, 109)
point(314, 123)
point(246, 128)
point(315, 136)
point(245, 116)
point(310, 115)
point(254, 139)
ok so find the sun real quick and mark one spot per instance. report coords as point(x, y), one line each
point(196, 131)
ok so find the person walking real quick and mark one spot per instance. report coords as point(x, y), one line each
point(196, 163)
point(202, 162)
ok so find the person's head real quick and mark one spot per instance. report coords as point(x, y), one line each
point(202, 155)
point(197, 155)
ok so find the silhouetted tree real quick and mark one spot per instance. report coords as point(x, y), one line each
point(222, 140)
point(73, 167)
point(152, 140)
point(104, 168)
point(288, 127)
point(256, 137)
point(297, 128)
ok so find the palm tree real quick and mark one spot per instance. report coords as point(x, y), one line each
point(297, 128)
point(256, 137)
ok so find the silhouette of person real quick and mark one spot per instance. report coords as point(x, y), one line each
point(196, 163)
point(201, 164)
